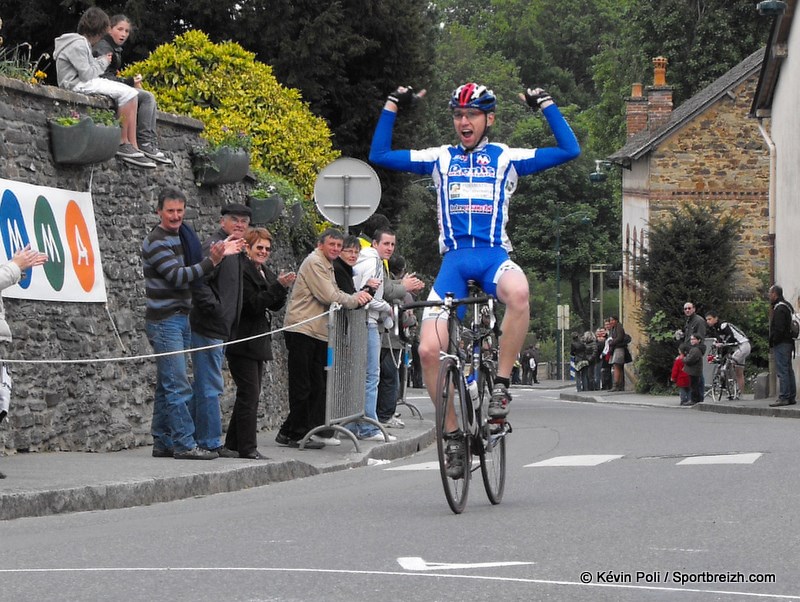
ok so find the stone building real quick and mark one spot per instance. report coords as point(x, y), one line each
point(90, 405)
point(775, 107)
point(704, 152)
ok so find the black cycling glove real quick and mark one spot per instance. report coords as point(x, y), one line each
point(405, 99)
point(535, 101)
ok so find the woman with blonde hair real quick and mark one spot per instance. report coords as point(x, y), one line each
point(262, 293)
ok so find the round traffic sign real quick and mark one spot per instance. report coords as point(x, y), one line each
point(347, 191)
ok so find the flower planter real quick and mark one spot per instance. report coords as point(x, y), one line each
point(223, 166)
point(83, 143)
point(265, 210)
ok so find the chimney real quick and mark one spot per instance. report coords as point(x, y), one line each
point(659, 96)
point(636, 111)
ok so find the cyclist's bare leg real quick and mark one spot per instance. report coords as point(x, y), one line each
point(433, 338)
point(512, 290)
point(739, 377)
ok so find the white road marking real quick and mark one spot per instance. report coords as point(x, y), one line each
point(415, 575)
point(429, 465)
point(575, 461)
point(415, 563)
point(722, 459)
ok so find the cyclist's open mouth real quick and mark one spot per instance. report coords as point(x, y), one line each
point(467, 137)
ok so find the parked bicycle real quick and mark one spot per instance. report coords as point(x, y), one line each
point(463, 390)
point(723, 380)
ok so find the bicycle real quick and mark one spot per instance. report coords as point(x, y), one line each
point(724, 377)
point(462, 376)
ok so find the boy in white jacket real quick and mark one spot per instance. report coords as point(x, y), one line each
point(369, 269)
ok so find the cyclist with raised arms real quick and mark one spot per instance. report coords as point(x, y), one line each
point(474, 181)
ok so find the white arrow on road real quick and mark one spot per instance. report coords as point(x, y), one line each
point(415, 563)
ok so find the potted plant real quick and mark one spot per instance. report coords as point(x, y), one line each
point(271, 194)
point(77, 139)
point(222, 162)
point(266, 204)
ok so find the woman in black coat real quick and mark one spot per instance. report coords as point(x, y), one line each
point(262, 292)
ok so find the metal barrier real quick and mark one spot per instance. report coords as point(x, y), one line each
point(347, 369)
point(402, 357)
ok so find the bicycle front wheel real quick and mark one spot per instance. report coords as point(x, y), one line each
point(493, 448)
point(717, 386)
point(451, 416)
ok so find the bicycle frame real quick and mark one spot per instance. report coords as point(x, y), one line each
point(462, 359)
point(724, 377)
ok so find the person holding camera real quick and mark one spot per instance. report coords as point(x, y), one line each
point(368, 270)
point(306, 338)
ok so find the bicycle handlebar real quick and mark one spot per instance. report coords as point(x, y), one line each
point(447, 302)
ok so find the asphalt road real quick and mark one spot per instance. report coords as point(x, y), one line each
point(603, 502)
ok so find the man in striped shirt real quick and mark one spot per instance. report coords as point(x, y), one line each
point(172, 260)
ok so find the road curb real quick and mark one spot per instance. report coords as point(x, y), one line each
point(614, 400)
point(768, 412)
point(144, 492)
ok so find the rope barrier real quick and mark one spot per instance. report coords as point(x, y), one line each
point(166, 353)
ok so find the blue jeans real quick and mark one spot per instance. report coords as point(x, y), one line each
point(208, 387)
point(172, 426)
point(364, 429)
point(787, 388)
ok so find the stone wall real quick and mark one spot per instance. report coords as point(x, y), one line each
point(106, 406)
point(719, 158)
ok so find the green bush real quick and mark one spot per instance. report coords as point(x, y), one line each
point(223, 86)
point(690, 256)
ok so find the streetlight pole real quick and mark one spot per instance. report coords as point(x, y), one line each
point(559, 349)
point(596, 268)
point(558, 221)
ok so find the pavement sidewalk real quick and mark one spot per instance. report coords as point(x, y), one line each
point(745, 405)
point(40, 484)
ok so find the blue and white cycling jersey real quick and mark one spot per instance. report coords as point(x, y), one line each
point(474, 188)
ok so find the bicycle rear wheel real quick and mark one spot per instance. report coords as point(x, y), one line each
point(731, 384)
point(493, 448)
point(717, 386)
point(450, 398)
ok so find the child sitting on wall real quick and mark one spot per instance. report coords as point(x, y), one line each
point(80, 72)
point(111, 43)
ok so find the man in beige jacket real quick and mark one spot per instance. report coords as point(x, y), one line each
point(307, 343)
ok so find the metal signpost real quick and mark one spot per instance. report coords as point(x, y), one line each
point(562, 314)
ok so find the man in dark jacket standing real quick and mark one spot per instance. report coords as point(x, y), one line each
point(695, 324)
point(781, 344)
point(216, 305)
